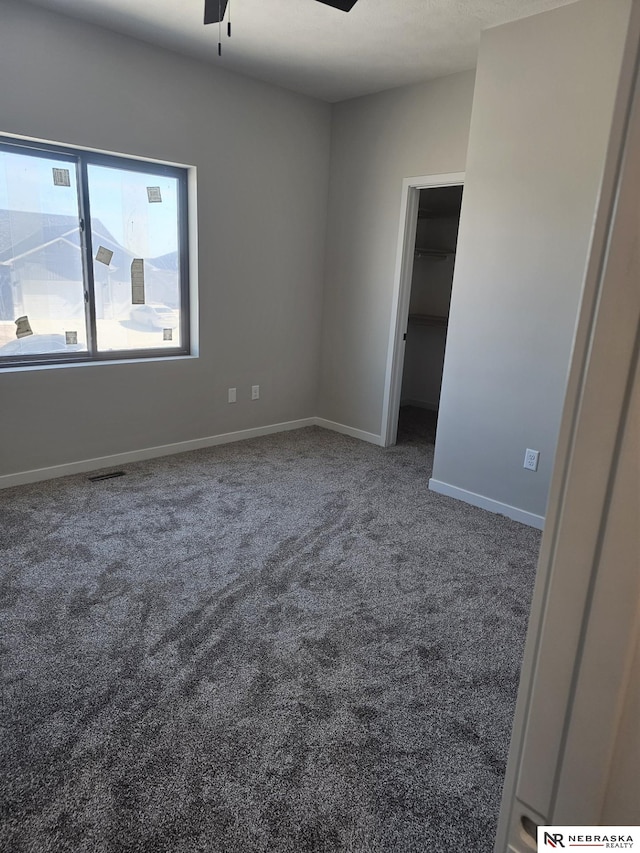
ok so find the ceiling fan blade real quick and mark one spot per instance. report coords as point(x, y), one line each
point(343, 5)
point(214, 10)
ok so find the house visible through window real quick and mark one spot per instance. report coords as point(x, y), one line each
point(93, 257)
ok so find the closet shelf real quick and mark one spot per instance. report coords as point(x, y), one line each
point(433, 253)
point(428, 320)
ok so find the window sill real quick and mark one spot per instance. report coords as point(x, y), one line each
point(20, 368)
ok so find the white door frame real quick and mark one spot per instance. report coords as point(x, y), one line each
point(401, 294)
point(584, 621)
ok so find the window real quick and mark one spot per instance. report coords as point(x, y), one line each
point(93, 256)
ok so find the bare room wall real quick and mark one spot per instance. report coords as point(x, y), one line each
point(542, 111)
point(262, 157)
point(376, 142)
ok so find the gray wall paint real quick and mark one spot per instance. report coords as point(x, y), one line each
point(263, 167)
point(262, 156)
point(542, 110)
point(376, 142)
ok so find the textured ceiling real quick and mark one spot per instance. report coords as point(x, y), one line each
point(309, 47)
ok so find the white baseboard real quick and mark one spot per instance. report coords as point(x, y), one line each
point(23, 477)
point(483, 502)
point(35, 475)
point(371, 437)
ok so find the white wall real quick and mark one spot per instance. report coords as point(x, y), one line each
point(376, 142)
point(584, 617)
point(542, 111)
point(263, 166)
point(262, 156)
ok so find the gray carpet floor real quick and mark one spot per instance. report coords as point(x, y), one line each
point(285, 645)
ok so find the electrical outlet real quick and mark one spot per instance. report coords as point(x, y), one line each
point(255, 392)
point(531, 458)
point(232, 395)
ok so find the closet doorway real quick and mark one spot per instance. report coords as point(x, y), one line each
point(426, 258)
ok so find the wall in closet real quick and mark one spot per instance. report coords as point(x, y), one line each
point(429, 309)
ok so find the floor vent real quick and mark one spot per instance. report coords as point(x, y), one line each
point(110, 476)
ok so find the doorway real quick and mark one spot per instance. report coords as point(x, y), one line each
point(424, 276)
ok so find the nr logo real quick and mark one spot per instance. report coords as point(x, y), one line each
point(553, 839)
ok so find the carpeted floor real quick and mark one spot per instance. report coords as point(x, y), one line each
point(285, 645)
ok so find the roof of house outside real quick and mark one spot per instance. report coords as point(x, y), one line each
point(22, 232)
point(27, 233)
